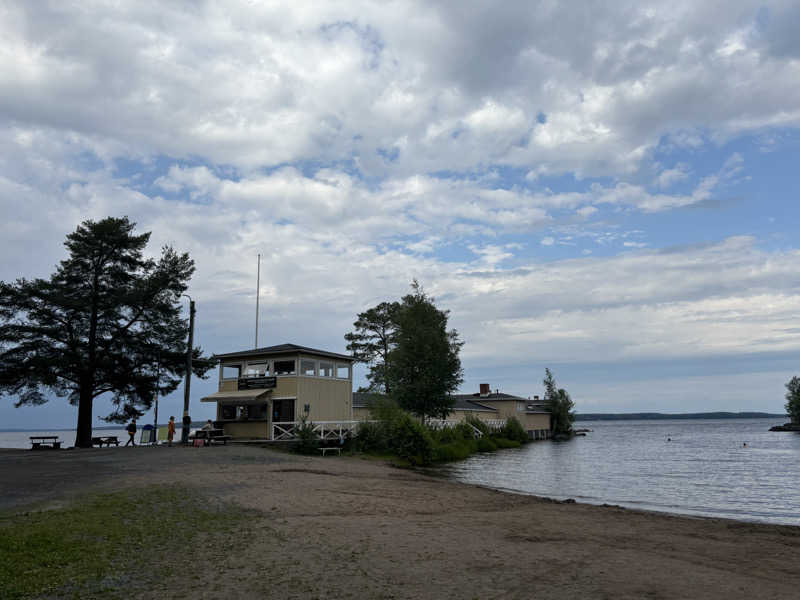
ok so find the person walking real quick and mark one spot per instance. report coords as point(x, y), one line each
point(170, 430)
point(131, 428)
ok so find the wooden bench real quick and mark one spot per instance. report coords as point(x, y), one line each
point(336, 449)
point(44, 441)
point(107, 440)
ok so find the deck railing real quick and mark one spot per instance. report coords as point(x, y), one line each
point(325, 430)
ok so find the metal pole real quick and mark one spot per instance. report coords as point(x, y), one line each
point(258, 293)
point(187, 421)
point(155, 415)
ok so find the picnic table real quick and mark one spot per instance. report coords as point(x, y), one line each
point(39, 442)
point(107, 440)
point(327, 449)
point(210, 436)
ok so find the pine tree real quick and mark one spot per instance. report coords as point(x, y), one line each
point(106, 322)
point(424, 368)
point(372, 341)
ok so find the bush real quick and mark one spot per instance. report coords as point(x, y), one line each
point(411, 441)
point(478, 424)
point(486, 444)
point(307, 442)
point(513, 430)
point(394, 431)
point(458, 450)
point(503, 443)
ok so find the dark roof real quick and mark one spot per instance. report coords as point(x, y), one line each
point(282, 349)
point(362, 399)
point(490, 397)
point(465, 404)
point(531, 406)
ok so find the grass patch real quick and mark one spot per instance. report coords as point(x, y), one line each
point(104, 545)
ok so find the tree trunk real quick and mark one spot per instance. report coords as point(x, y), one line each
point(83, 437)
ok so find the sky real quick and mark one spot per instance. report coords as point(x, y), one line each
point(604, 189)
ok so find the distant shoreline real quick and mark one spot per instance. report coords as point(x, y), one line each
point(654, 416)
point(648, 416)
point(195, 425)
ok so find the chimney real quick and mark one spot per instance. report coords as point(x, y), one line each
point(485, 391)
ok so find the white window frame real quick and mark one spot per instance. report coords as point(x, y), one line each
point(312, 361)
point(222, 371)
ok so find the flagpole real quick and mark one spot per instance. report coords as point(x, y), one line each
point(258, 293)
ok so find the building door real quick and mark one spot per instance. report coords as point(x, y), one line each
point(282, 411)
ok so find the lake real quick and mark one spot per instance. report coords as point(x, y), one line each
point(21, 439)
point(704, 470)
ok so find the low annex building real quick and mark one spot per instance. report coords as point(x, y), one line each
point(491, 407)
point(271, 387)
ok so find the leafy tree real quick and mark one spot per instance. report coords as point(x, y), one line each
point(107, 321)
point(559, 404)
point(793, 399)
point(424, 368)
point(372, 341)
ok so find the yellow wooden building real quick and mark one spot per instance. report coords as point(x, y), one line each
point(263, 392)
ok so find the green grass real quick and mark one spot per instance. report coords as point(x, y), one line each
point(103, 545)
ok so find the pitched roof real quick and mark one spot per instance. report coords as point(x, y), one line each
point(531, 406)
point(362, 399)
point(282, 349)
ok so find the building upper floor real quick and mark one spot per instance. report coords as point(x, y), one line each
point(263, 367)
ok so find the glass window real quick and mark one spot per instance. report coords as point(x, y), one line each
point(257, 369)
point(228, 412)
point(231, 371)
point(284, 367)
point(308, 367)
point(343, 371)
point(325, 369)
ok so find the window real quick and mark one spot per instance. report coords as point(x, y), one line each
point(308, 367)
point(228, 412)
point(325, 369)
point(343, 371)
point(231, 371)
point(284, 367)
point(257, 369)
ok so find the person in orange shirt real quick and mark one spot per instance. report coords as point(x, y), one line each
point(170, 430)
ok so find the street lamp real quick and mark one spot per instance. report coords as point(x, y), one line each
point(187, 420)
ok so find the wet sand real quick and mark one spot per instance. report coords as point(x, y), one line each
point(341, 527)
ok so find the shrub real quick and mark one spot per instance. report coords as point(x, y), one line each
point(307, 442)
point(458, 450)
point(503, 443)
point(513, 430)
point(411, 441)
point(486, 444)
point(478, 424)
point(395, 431)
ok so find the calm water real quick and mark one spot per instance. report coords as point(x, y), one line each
point(20, 439)
point(704, 470)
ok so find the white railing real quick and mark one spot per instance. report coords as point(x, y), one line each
point(325, 430)
point(444, 424)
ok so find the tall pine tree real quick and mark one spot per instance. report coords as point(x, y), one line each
point(108, 321)
point(424, 367)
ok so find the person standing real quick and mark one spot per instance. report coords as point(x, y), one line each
point(131, 433)
point(170, 430)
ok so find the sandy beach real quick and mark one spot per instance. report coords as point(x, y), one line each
point(345, 527)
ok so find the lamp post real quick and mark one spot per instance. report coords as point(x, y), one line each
point(187, 421)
